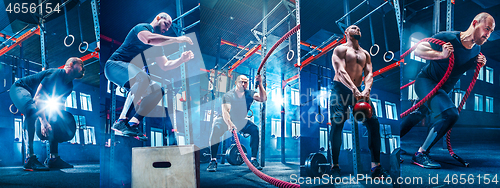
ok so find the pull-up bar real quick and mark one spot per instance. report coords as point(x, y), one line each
point(28, 34)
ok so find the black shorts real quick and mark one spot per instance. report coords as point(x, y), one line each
point(439, 102)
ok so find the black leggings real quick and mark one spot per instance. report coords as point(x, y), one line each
point(341, 98)
point(219, 127)
point(125, 75)
point(23, 100)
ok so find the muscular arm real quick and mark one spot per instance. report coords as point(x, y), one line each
point(425, 51)
point(368, 74)
point(37, 99)
point(338, 62)
point(158, 40)
point(166, 64)
point(225, 115)
point(262, 95)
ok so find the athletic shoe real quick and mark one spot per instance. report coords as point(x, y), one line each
point(424, 160)
point(57, 163)
point(121, 126)
point(32, 163)
point(379, 172)
point(212, 167)
point(133, 131)
point(335, 171)
point(256, 164)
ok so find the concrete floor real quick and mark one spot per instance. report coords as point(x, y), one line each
point(241, 176)
point(82, 175)
point(479, 147)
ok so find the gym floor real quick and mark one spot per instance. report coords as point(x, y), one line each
point(478, 146)
point(241, 176)
point(82, 175)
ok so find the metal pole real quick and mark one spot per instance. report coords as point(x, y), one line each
point(449, 15)
point(266, 15)
point(436, 16)
point(185, 14)
point(184, 77)
point(364, 17)
point(263, 104)
point(283, 134)
point(297, 22)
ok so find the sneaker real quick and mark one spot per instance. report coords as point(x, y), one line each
point(335, 171)
point(256, 164)
point(424, 160)
point(32, 163)
point(379, 172)
point(121, 126)
point(212, 167)
point(57, 163)
point(136, 133)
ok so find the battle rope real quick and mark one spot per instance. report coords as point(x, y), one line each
point(269, 179)
point(448, 134)
point(438, 86)
point(288, 34)
point(441, 82)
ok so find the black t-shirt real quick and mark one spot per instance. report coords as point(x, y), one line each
point(465, 59)
point(52, 81)
point(132, 46)
point(239, 106)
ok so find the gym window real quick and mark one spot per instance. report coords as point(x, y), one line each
point(89, 135)
point(489, 75)
point(156, 137)
point(323, 100)
point(412, 54)
point(275, 128)
point(276, 96)
point(378, 107)
point(391, 111)
point(295, 129)
point(18, 130)
point(478, 102)
point(347, 140)
point(295, 97)
point(208, 115)
point(118, 90)
point(71, 100)
point(323, 138)
point(411, 92)
point(180, 140)
point(86, 102)
point(80, 123)
point(489, 104)
point(458, 98)
point(480, 75)
point(394, 143)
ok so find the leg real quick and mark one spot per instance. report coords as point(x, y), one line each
point(148, 103)
point(218, 129)
point(253, 130)
point(340, 98)
point(440, 127)
point(24, 102)
point(413, 119)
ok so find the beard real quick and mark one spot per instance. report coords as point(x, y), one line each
point(357, 37)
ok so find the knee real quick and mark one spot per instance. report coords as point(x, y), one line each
point(451, 115)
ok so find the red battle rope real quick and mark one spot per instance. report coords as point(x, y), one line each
point(438, 86)
point(269, 179)
point(288, 34)
point(441, 82)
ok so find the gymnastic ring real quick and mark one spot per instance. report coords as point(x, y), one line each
point(86, 47)
point(123, 90)
point(322, 118)
point(73, 40)
point(386, 60)
point(10, 109)
point(249, 116)
point(288, 55)
point(378, 48)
